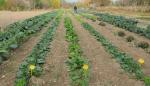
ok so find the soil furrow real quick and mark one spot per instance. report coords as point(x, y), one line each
point(55, 70)
point(9, 68)
point(105, 71)
point(135, 52)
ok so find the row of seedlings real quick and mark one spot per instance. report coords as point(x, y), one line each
point(19, 32)
point(144, 45)
point(124, 23)
point(32, 65)
point(126, 61)
point(77, 64)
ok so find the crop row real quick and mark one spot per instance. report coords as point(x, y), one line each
point(126, 61)
point(89, 16)
point(124, 23)
point(19, 32)
point(32, 65)
point(78, 65)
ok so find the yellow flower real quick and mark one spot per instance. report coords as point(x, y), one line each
point(32, 67)
point(141, 61)
point(85, 67)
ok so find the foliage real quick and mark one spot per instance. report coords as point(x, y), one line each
point(147, 81)
point(147, 32)
point(2, 3)
point(124, 23)
point(15, 34)
point(89, 16)
point(79, 75)
point(38, 3)
point(126, 61)
point(37, 55)
point(56, 3)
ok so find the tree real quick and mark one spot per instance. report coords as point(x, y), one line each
point(56, 3)
point(101, 2)
point(2, 3)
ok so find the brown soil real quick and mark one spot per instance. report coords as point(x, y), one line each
point(135, 52)
point(55, 70)
point(8, 17)
point(105, 71)
point(9, 68)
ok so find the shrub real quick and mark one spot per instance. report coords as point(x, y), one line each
point(121, 34)
point(143, 45)
point(129, 38)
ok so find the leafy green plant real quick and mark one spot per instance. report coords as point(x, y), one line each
point(124, 23)
point(16, 33)
point(126, 61)
point(147, 81)
point(37, 56)
point(147, 32)
point(78, 73)
point(143, 45)
point(4, 55)
point(130, 38)
point(89, 16)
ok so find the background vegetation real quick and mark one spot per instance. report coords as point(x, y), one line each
point(40, 4)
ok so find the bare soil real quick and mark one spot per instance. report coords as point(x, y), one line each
point(55, 70)
point(9, 68)
point(8, 17)
point(130, 49)
point(105, 71)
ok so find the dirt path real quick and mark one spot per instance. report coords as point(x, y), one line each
point(135, 52)
point(105, 71)
point(8, 17)
point(9, 68)
point(55, 70)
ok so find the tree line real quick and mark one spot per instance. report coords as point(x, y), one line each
point(134, 2)
point(29, 4)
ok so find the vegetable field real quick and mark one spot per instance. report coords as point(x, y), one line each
point(65, 48)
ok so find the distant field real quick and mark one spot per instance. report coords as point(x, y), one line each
point(125, 11)
point(8, 17)
point(129, 12)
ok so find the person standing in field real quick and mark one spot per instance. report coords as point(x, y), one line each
point(75, 9)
